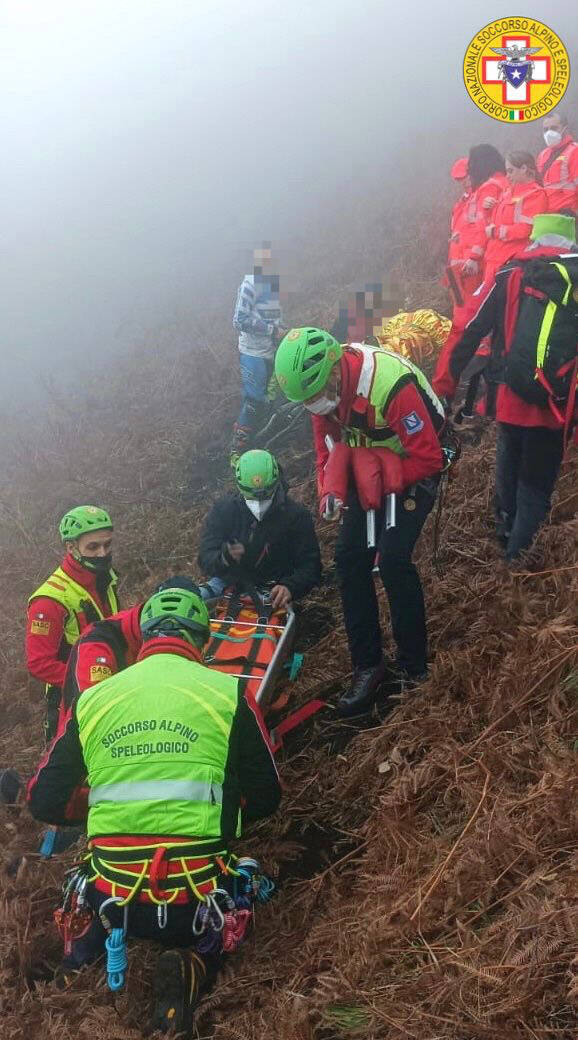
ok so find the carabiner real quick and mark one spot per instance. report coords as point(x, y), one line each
point(196, 929)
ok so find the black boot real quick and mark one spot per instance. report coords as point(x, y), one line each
point(363, 691)
point(402, 680)
point(179, 979)
point(10, 786)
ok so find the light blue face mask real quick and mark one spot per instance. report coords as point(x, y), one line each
point(258, 507)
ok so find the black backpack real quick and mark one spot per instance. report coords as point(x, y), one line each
point(542, 356)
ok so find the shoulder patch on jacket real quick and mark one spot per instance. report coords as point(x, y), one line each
point(412, 422)
point(39, 626)
point(98, 672)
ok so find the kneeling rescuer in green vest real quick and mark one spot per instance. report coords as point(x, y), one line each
point(175, 758)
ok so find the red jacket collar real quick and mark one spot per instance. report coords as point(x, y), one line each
point(498, 179)
point(169, 645)
point(129, 621)
point(81, 575)
point(523, 189)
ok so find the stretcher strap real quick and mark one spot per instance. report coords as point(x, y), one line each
point(295, 719)
point(252, 662)
point(234, 610)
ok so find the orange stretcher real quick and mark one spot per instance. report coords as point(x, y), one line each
point(250, 641)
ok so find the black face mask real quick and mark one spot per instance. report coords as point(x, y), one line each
point(97, 564)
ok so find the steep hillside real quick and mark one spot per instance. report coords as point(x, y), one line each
point(425, 862)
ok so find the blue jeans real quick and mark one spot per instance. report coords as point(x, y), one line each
point(255, 406)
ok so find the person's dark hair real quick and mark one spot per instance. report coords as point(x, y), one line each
point(483, 161)
point(519, 159)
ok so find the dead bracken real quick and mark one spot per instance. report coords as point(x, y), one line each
point(426, 862)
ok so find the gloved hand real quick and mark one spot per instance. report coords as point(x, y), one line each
point(471, 267)
point(330, 508)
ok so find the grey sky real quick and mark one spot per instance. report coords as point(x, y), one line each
point(147, 143)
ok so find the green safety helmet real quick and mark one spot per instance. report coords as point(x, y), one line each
point(304, 360)
point(257, 474)
point(553, 224)
point(175, 611)
point(83, 520)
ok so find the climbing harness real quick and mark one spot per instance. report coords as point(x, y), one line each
point(220, 921)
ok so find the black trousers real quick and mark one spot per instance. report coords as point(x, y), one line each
point(354, 563)
point(53, 697)
point(528, 461)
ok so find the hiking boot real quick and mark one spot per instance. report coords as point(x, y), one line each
point(10, 786)
point(362, 693)
point(401, 680)
point(179, 980)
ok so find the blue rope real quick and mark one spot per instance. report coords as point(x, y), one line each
point(116, 959)
point(265, 890)
point(247, 881)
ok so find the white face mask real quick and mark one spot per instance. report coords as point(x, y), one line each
point(323, 405)
point(258, 507)
point(552, 138)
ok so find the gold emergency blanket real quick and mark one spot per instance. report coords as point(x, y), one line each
point(417, 335)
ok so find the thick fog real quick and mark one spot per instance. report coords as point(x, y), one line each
point(148, 144)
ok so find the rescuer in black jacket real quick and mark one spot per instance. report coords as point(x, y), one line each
point(260, 535)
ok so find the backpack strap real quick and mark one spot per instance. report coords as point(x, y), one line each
point(554, 154)
point(569, 416)
point(512, 305)
point(551, 308)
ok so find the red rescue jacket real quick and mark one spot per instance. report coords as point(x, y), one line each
point(512, 224)
point(561, 178)
point(48, 652)
point(481, 212)
point(422, 455)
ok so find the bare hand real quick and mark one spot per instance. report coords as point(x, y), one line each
point(280, 597)
point(490, 230)
point(470, 267)
point(236, 551)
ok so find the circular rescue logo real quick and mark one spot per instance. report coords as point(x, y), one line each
point(516, 70)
